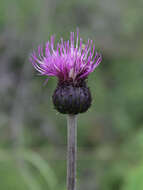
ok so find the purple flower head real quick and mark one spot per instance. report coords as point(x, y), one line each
point(70, 60)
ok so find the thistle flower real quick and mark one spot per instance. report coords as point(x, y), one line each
point(71, 62)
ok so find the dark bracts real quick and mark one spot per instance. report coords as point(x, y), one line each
point(70, 98)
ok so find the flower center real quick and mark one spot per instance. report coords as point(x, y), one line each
point(72, 74)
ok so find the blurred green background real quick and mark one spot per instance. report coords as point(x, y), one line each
point(110, 134)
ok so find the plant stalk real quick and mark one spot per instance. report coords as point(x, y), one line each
point(71, 151)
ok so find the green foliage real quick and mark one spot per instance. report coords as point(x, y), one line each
point(10, 177)
point(134, 178)
point(43, 167)
point(16, 172)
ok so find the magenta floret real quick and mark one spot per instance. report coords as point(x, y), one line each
point(68, 60)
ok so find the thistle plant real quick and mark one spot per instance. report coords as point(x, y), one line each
point(71, 62)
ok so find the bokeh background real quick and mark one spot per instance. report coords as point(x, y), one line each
point(110, 134)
